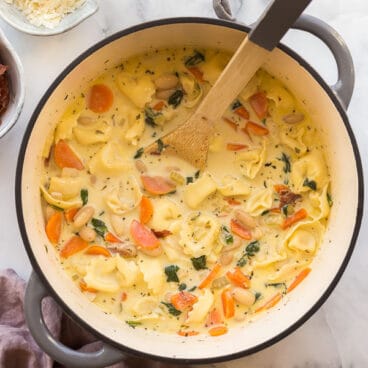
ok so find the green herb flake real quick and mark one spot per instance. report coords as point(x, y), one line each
point(286, 160)
point(171, 309)
point(310, 183)
point(182, 286)
point(160, 145)
point(252, 248)
point(189, 179)
point(175, 99)
point(139, 153)
point(56, 208)
point(84, 196)
point(236, 105)
point(192, 288)
point(194, 59)
point(99, 226)
point(229, 239)
point(264, 121)
point(196, 174)
point(265, 212)
point(276, 284)
point(171, 273)
point(133, 324)
point(199, 263)
point(284, 210)
point(329, 199)
point(242, 261)
point(257, 296)
point(149, 117)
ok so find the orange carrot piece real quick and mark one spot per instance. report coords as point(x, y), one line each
point(255, 129)
point(242, 112)
point(53, 227)
point(210, 277)
point(159, 106)
point(259, 104)
point(231, 123)
point(297, 216)
point(145, 210)
point(298, 279)
point(214, 318)
point(228, 304)
point(187, 333)
point(235, 146)
point(238, 278)
point(143, 237)
point(64, 156)
point(111, 238)
point(218, 330)
point(100, 98)
point(197, 73)
point(74, 245)
point(270, 303)
point(280, 188)
point(183, 300)
point(232, 201)
point(97, 250)
point(124, 296)
point(70, 213)
point(157, 184)
point(240, 230)
point(84, 287)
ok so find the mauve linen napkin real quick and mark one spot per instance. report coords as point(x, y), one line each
point(17, 347)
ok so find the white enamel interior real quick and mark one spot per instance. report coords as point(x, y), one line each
point(328, 261)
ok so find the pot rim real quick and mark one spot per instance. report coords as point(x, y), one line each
point(18, 191)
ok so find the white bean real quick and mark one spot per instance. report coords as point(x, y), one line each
point(243, 296)
point(86, 120)
point(226, 258)
point(117, 224)
point(83, 216)
point(87, 234)
point(245, 219)
point(166, 81)
point(164, 94)
point(140, 166)
point(293, 118)
point(152, 252)
point(257, 233)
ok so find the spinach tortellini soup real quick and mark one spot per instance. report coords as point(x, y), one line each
point(154, 241)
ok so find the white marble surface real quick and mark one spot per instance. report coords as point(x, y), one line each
point(336, 335)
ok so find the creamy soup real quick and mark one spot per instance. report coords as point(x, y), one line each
point(154, 241)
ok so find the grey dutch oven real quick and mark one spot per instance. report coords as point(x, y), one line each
point(327, 104)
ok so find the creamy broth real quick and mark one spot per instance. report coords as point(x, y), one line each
point(149, 238)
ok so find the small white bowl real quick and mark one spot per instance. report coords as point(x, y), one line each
point(16, 18)
point(14, 73)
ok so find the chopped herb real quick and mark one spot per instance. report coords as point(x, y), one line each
point(149, 117)
point(175, 98)
point(182, 287)
point(329, 199)
point(171, 273)
point(257, 295)
point(236, 105)
point(286, 160)
point(276, 284)
point(171, 309)
point(229, 239)
point(284, 210)
point(264, 121)
point(265, 212)
point(196, 175)
point(138, 153)
point(149, 72)
point(133, 324)
point(84, 196)
point(242, 261)
point(56, 207)
point(199, 263)
point(160, 145)
point(195, 59)
point(267, 164)
point(310, 183)
point(192, 288)
point(252, 248)
point(189, 179)
point(99, 226)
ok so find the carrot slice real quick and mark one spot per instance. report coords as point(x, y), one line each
point(183, 300)
point(64, 156)
point(97, 250)
point(187, 333)
point(159, 106)
point(70, 213)
point(111, 238)
point(100, 99)
point(143, 237)
point(73, 246)
point(53, 227)
point(238, 278)
point(146, 210)
point(228, 304)
point(280, 188)
point(197, 73)
point(232, 201)
point(218, 330)
point(124, 296)
point(255, 129)
point(259, 104)
point(235, 146)
point(297, 216)
point(298, 279)
point(242, 112)
point(214, 318)
point(270, 303)
point(157, 184)
point(84, 287)
point(210, 277)
point(231, 123)
point(240, 230)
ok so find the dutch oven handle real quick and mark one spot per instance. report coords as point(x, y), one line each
point(35, 292)
point(344, 86)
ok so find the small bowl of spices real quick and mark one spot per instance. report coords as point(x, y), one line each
point(11, 86)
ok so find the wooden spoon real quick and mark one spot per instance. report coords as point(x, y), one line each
point(191, 140)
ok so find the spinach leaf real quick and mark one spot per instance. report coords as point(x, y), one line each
point(265, 212)
point(310, 183)
point(199, 263)
point(84, 196)
point(195, 59)
point(99, 226)
point(133, 324)
point(175, 98)
point(286, 160)
point(139, 153)
point(229, 239)
point(170, 272)
point(252, 248)
point(149, 117)
point(171, 309)
point(329, 199)
point(160, 145)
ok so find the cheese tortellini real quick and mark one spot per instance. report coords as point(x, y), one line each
point(250, 162)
